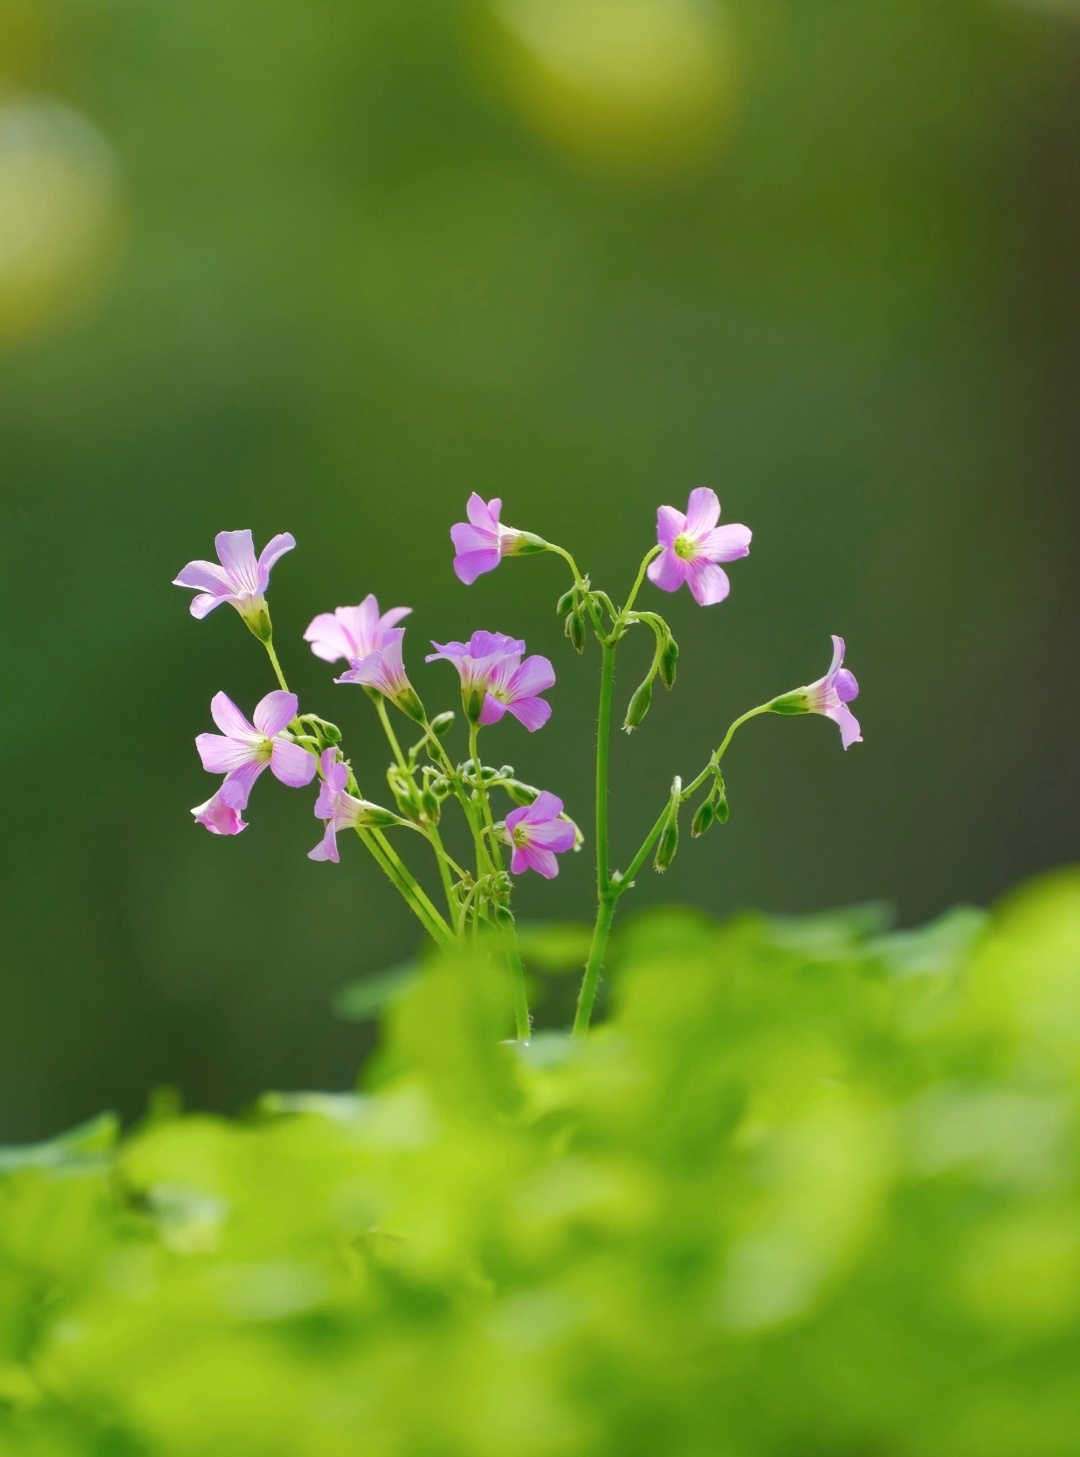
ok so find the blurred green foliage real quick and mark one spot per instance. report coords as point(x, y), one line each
point(813, 1189)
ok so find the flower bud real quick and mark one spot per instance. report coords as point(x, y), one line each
point(720, 804)
point(575, 628)
point(639, 706)
point(703, 819)
point(521, 794)
point(432, 809)
point(668, 661)
point(442, 723)
point(566, 601)
point(669, 841)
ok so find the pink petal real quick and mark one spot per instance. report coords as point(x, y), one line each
point(726, 543)
point(532, 857)
point(218, 817)
point(536, 675)
point(471, 538)
point(275, 712)
point(850, 732)
point(236, 790)
point(557, 835)
point(275, 548)
point(472, 564)
point(291, 764)
point(221, 755)
point(532, 712)
point(546, 806)
point(237, 553)
point(205, 603)
point(327, 848)
point(837, 654)
point(229, 719)
point(328, 638)
point(492, 710)
point(669, 524)
point(708, 583)
point(667, 571)
point(702, 511)
point(484, 514)
point(206, 576)
point(846, 685)
point(484, 644)
point(514, 818)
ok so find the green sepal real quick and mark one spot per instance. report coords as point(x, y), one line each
point(442, 723)
point(669, 659)
point(703, 819)
point(791, 703)
point(639, 706)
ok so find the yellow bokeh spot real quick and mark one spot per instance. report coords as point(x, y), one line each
point(61, 205)
point(641, 87)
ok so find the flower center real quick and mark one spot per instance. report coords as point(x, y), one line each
point(683, 546)
point(520, 836)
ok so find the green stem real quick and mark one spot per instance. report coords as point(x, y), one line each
point(636, 588)
point(590, 981)
point(403, 880)
point(391, 736)
point(513, 956)
point(269, 646)
point(603, 755)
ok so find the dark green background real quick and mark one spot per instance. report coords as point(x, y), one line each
point(358, 286)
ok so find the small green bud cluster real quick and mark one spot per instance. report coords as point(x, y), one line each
point(713, 809)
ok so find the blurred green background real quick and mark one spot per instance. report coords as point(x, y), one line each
point(327, 269)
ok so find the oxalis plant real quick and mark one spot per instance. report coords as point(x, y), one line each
point(496, 678)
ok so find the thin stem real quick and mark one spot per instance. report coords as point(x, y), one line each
point(591, 979)
point(403, 880)
point(445, 862)
point(636, 588)
point(603, 754)
point(521, 996)
point(392, 739)
point(269, 646)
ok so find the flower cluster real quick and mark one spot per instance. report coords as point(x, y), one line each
point(497, 679)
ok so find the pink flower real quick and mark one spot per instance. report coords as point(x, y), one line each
point(218, 817)
point(481, 543)
point(693, 545)
point(537, 835)
point(495, 681)
point(243, 750)
point(240, 578)
point(832, 694)
point(341, 810)
point(352, 632)
point(384, 670)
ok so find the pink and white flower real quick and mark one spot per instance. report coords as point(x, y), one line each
point(832, 694)
point(237, 577)
point(352, 632)
point(481, 543)
point(495, 680)
point(243, 750)
point(537, 834)
point(693, 545)
point(384, 670)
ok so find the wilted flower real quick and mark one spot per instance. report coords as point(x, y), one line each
point(693, 545)
point(537, 834)
point(241, 578)
point(341, 810)
point(219, 817)
point(481, 542)
point(495, 681)
point(243, 750)
point(352, 632)
point(829, 696)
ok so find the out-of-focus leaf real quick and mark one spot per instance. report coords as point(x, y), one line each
point(367, 999)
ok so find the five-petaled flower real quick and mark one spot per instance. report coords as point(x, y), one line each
point(352, 632)
point(340, 809)
point(537, 834)
point(829, 696)
point(481, 543)
point(495, 680)
point(693, 544)
point(243, 750)
point(241, 578)
point(384, 670)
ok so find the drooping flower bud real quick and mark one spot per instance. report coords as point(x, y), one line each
point(575, 628)
point(704, 818)
point(669, 659)
point(442, 723)
point(432, 809)
point(566, 601)
point(639, 705)
point(669, 841)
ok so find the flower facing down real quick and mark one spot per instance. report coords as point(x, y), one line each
point(352, 632)
point(495, 681)
point(238, 577)
point(219, 817)
point(384, 670)
point(693, 545)
point(243, 750)
point(829, 696)
point(481, 542)
point(341, 810)
point(537, 834)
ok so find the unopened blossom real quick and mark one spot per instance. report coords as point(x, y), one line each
point(384, 670)
point(352, 632)
point(829, 696)
point(537, 834)
point(219, 817)
point(340, 809)
point(243, 750)
point(495, 680)
point(693, 545)
point(481, 542)
point(238, 577)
